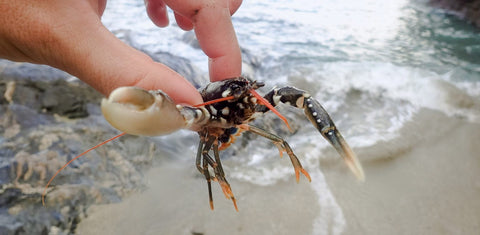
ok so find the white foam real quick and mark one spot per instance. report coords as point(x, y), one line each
point(266, 168)
point(369, 100)
point(392, 93)
point(330, 219)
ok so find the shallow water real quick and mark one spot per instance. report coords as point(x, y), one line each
point(373, 65)
point(362, 59)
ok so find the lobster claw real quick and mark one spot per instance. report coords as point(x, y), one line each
point(338, 142)
point(322, 121)
point(140, 112)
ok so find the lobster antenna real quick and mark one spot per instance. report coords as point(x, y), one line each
point(73, 159)
point(214, 101)
point(269, 106)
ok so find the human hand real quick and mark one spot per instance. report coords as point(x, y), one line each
point(70, 36)
point(213, 27)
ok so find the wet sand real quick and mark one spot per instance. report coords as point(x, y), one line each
point(424, 182)
point(429, 185)
point(177, 203)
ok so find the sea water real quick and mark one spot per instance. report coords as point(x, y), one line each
point(372, 64)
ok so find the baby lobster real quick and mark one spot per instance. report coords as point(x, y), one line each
point(229, 107)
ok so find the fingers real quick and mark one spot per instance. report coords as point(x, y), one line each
point(157, 11)
point(101, 6)
point(217, 38)
point(70, 36)
point(183, 22)
point(110, 64)
point(215, 33)
point(234, 5)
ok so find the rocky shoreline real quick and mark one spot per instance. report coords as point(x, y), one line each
point(47, 117)
point(465, 9)
point(43, 124)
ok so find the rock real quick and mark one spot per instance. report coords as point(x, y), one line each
point(31, 72)
point(55, 97)
point(46, 121)
point(182, 66)
point(9, 90)
point(43, 124)
point(467, 9)
point(190, 39)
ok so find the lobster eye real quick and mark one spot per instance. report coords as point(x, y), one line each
point(237, 92)
point(259, 84)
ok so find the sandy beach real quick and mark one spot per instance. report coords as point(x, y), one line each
point(423, 182)
point(428, 186)
point(400, 79)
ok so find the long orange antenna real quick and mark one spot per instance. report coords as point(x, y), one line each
point(269, 106)
point(214, 101)
point(73, 159)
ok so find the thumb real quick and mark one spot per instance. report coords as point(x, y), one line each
point(70, 36)
point(110, 63)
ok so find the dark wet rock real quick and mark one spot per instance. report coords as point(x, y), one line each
point(38, 150)
point(45, 123)
point(182, 66)
point(31, 72)
point(9, 226)
point(179, 64)
point(72, 105)
point(4, 171)
point(250, 59)
point(54, 97)
point(466, 9)
point(48, 119)
point(190, 39)
point(10, 196)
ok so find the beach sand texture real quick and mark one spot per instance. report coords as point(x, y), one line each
point(426, 181)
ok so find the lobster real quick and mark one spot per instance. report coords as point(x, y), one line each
point(229, 106)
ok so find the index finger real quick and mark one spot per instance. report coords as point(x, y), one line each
point(215, 33)
point(216, 36)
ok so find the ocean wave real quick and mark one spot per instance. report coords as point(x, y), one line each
point(384, 95)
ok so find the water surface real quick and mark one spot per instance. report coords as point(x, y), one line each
point(374, 66)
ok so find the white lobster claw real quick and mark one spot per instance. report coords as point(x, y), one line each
point(139, 112)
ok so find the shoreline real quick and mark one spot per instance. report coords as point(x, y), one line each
point(467, 10)
point(177, 203)
point(429, 187)
point(425, 183)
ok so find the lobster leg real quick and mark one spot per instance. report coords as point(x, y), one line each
point(198, 159)
point(202, 164)
point(319, 118)
point(282, 146)
point(220, 176)
point(204, 160)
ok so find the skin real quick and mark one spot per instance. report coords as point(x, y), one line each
point(68, 35)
